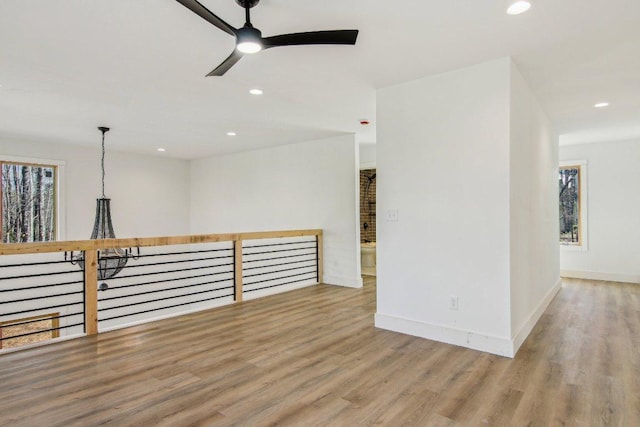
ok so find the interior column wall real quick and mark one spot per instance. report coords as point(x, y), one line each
point(467, 198)
point(443, 167)
point(534, 262)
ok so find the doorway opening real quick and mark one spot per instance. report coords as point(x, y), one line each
point(368, 221)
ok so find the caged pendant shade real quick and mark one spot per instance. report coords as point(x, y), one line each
point(110, 261)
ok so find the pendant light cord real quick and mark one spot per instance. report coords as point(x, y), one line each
point(103, 130)
point(102, 165)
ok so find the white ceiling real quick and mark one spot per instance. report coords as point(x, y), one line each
point(67, 66)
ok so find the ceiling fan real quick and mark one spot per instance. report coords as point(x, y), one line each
point(249, 39)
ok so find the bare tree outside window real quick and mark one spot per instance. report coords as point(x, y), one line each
point(28, 203)
point(570, 221)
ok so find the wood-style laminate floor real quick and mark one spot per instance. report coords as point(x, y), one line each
point(313, 357)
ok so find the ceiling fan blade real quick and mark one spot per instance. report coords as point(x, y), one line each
point(207, 15)
point(227, 64)
point(313, 37)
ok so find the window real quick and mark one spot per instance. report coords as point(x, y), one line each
point(572, 206)
point(29, 208)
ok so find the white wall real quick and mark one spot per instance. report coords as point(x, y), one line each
point(613, 201)
point(306, 185)
point(444, 162)
point(149, 194)
point(367, 156)
point(535, 276)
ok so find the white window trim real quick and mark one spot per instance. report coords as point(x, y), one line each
point(61, 218)
point(584, 226)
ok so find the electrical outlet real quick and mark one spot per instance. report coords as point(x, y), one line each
point(391, 215)
point(453, 302)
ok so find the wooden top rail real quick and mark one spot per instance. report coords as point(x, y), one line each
point(87, 245)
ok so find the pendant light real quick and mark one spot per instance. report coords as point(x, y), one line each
point(110, 261)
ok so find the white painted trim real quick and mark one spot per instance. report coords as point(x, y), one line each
point(567, 247)
point(61, 217)
point(598, 275)
point(32, 160)
point(367, 165)
point(221, 303)
point(346, 281)
point(526, 328)
point(248, 296)
point(358, 212)
point(446, 334)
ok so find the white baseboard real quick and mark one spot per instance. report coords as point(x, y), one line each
point(528, 325)
point(219, 303)
point(473, 340)
point(248, 296)
point(597, 275)
point(470, 339)
point(346, 281)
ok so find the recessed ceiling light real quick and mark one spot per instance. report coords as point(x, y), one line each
point(601, 104)
point(256, 92)
point(231, 134)
point(518, 7)
point(162, 150)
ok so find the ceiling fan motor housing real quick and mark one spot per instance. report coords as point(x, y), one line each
point(247, 3)
point(249, 33)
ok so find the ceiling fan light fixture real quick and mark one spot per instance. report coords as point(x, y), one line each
point(518, 7)
point(249, 40)
point(249, 47)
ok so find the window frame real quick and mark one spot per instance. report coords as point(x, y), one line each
point(583, 230)
point(58, 189)
point(55, 328)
